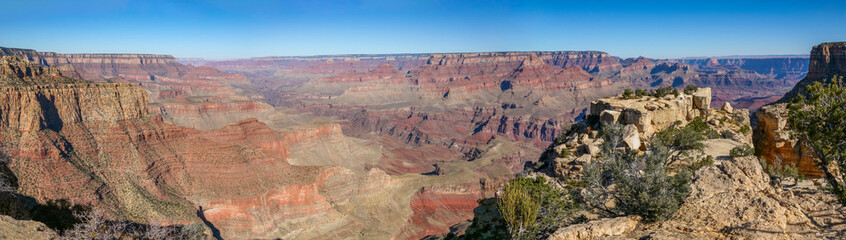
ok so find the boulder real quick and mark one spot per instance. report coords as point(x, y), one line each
point(609, 116)
point(590, 148)
point(631, 137)
point(727, 107)
point(702, 99)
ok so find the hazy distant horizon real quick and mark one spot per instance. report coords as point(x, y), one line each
point(410, 53)
point(219, 29)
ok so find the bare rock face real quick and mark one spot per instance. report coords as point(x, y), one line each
point(771, 136)
point(827, 59)
point(735, 200)
point(598, 229)
point(11, 228)
point(650, 114)
point(773, 141)
point(199, 97)
point(631, 137)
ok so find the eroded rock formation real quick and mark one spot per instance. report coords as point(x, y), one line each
point(773, 138)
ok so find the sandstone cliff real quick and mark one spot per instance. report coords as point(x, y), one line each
point(199, 97)
point(827, 59)
point(773, 140)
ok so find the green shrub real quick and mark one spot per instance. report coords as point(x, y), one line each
point(686, 138)
point(629, 94)
point(819, 121)
point(690, 89)
point(517, 207)
point(641, 93)
point(745, 129)
point(707, 161)
point(636, 184)
point(742, 151)
point(778, 170)
point(565, 152)
point(532, 208)
point(664, 91)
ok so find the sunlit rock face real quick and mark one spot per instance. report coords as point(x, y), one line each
point(773, 139)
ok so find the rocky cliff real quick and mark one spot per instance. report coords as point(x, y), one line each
point(199, 97)
point(95, 144)
point(827, 59)
point(773, 140)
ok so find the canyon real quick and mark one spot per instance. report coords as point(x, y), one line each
point(347, 146)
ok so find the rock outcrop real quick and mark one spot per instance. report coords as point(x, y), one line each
point(773, 139)
point(651, 114)
point(598, 229)
point(642, 117)
point(749, 207)
point(775, 143)
point(11, 228)
point(827, 59)
point(199, 97)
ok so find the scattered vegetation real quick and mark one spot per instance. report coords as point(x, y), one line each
point(689, 137)
point(636, 184)
point(658, 92)
point(690, 89)
point(664, 91)
point(94, 225)
point(565, 152)
point(532, 208)
point(629, 94)
point(707, 161)
point(745, 129)
point(778, 171)
point(819, 121)
point(742, 151)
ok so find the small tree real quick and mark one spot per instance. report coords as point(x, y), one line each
point(819, 121)
point(517, 207)
point(690, 89)
point(638, 184)
point(629, 94)
point(532, 208)
point(742, 151)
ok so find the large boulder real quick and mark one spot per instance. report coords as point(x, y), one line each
point(631, 137)
point(727, 107)
point(702, 99)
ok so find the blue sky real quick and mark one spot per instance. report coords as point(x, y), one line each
point(219, 29)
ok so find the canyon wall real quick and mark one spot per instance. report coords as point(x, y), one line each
point(827, 59)
point(199, 97)
point(773, 138)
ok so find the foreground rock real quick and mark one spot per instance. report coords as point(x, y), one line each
point(597, 229)
point(734, 200)
point(11, 228)
point(642, 118)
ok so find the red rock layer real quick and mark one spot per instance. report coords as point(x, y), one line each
point(171, 84)
point(437, 208)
